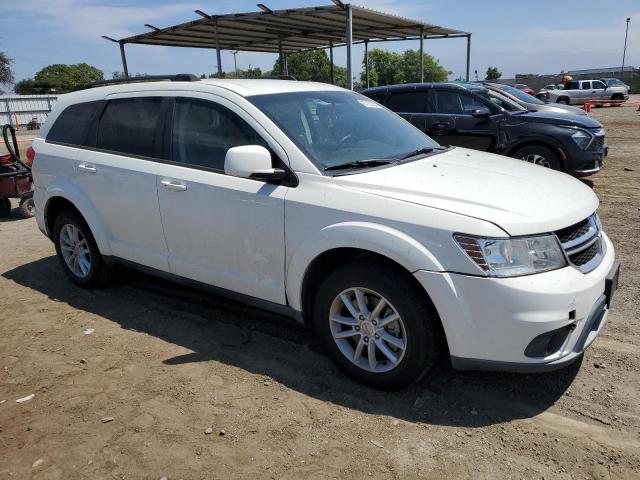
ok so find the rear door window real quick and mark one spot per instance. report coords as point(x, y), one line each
point(73, 124)
point(130, 126)
point(448, 102)
point(203, 131)
point(407, 102)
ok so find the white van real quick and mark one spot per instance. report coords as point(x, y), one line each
point(317, 202)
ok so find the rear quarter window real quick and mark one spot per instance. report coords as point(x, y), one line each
point(73, 124)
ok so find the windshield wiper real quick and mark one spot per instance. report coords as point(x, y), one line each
point(359, 164)
point(419, 151)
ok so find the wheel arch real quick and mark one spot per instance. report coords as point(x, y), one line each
point(344, 241)
point(60, 200)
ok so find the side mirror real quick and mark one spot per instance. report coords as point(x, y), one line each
point(482, 112)
point(251, 161)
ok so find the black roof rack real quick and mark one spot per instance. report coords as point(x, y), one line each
point(180, 77)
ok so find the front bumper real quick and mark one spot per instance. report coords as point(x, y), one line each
point(489, 322)
point(582, 163)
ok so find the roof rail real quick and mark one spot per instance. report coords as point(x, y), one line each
point(180, 77)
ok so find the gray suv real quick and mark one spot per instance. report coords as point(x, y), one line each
point(531, 103)
point(579, 92)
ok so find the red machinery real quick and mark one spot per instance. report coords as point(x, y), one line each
point(15, 177)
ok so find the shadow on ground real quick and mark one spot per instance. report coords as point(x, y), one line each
point(215, 328)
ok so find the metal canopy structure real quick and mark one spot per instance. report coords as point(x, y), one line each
point(294, 30)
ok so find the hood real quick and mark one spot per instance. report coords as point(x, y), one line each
point(519, 197)
point(556, 108)
point(566, 108)
point(565, 118)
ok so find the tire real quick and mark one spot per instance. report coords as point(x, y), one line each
point(539, 155)
point(617, 97)
point(5, 207)
point(27, 207)
point(90, 273)
point(563, 100)
point(418, 326)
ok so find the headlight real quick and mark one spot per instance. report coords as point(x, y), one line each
point(582, 139)
point(499, 257)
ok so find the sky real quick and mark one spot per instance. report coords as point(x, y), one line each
point(543, 36)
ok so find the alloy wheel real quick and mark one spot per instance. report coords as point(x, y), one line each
point(75, 250)
point(537, 160)
point(368, 330)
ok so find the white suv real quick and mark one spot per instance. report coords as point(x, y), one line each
point(317, 202)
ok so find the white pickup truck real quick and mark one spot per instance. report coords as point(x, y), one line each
point(578, 92)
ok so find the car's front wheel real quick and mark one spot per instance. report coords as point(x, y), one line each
point(78, 253)
point(376, 325)
point(539, 155)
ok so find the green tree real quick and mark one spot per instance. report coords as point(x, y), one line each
point(387, 68)
point(29, 86)
point(433, 71)
point(255, 72)
point(312, 66)
point(6, 73)
point(63, 78)
point(493, 73)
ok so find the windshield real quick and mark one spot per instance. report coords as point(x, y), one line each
point(501, 101)
point(613, 81)
point(520, 95)
point(338, 127)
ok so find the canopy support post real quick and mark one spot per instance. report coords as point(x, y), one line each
point(331, 61)
point(123, 56)
point(366, 60)
point(215, 30)
point(349, 46)
point(421, 54)
point(286, 63)
point(280, 56)
point(468, 55)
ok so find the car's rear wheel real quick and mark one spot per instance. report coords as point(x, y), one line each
point(375, 326)
point(539, 155)
point(27, 207)
point(78, 253)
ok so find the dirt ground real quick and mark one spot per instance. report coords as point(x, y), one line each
point(133, 399)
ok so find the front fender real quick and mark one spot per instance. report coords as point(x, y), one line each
point(380, 239)
point(63, 188)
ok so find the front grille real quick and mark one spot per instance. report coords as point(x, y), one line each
point(597, 144)
point(582, 244)
point(573, 232)
point(585, 256)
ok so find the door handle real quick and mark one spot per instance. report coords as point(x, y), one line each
point(178, 187)
point(87, 168)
